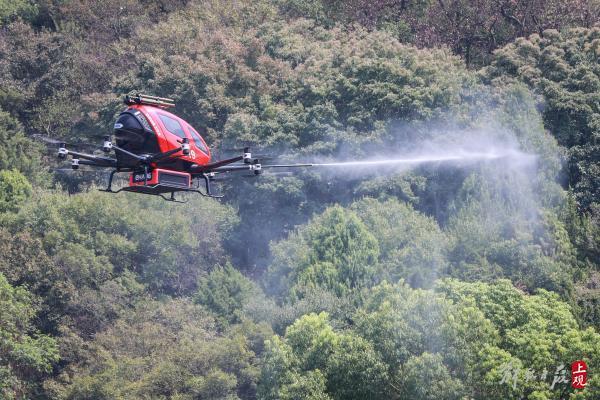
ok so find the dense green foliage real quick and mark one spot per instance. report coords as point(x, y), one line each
point(168, 350)
point(471, 332)
point(16, 151)
point(472, 29)
point(14, 190)
point(25, 355)
point(454, 281)
point(564, 70)
point(225, 291)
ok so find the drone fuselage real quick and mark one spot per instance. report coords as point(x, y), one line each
point(145, 129)
point(161, 152)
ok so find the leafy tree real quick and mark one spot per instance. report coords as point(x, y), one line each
point(539, 330)
point(562, 69)
point(14, 190)
point(167, 349)
point(393, 319)
point(134, 235)
point(340, 240)
point(40, 84)
point(452, 342)
point(356, 371)
point(463, 336)
point(426, 377)
point(583, 231)
point(411, 245)
point(225, 291)
point(10, 10)
point(311, 353)
point(26, 356)
point(90, 258)
point(500, 228)
point(473, 29)
point(280, 315)
point(280, 379)
point(16, 151)
point(336, 252)
point(128, 289)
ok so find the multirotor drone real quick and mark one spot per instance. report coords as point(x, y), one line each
point(161, 152)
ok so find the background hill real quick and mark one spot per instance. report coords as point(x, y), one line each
point(429, 283)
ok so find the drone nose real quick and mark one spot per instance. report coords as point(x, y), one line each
point(128, 128)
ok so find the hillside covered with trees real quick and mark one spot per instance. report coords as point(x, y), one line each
point(475, 281)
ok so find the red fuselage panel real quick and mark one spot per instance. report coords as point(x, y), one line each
point(170, 129)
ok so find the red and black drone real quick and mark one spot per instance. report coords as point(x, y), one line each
point(162, 153)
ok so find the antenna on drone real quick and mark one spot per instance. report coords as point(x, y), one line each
point(145, 99)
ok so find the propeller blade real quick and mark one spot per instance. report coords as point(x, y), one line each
point(71, 170)
point(56, 142)
point(263, 157)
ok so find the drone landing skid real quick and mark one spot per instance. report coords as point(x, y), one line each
point(158, 182)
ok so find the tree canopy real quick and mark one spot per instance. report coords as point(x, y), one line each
point(444, 280)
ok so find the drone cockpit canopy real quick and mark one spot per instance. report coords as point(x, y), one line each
point(132, 130)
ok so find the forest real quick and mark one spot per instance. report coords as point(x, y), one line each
point(443, 281)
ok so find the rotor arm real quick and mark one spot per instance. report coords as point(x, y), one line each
point(158, 157)
point(216, 165)
point(232, 168)
point(76, 163)
point(95, 160)
point(164, 156)
point(95, 164)
point(130, 154)
point(252, 167)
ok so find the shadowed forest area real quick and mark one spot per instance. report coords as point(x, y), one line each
point(476, 281)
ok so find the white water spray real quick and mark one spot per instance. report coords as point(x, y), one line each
point(414, 160)
point(458, 156)
point(455, 149)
